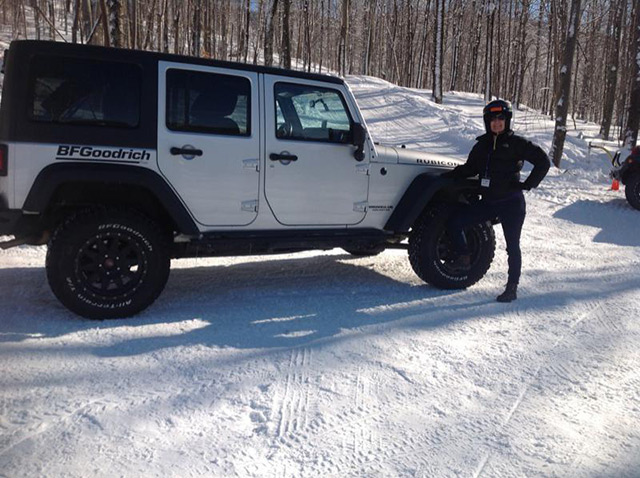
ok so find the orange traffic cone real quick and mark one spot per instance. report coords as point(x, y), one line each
point(615, 185)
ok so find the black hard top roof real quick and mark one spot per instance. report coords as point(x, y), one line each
point(40, 47)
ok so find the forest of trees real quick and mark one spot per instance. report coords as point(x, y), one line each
point(513, 49)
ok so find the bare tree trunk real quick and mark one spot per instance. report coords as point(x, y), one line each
point(114, 23)
point(344, 34)
point(36, 17)
point(105, 23)
point(559, 15)
point(307, 34)
point(438, 53)
point(259, 34)
point(424, 45)
point(522, 52)
point(268, 36)
point(87, 20)
point(149, 31)
point(536, 61)
point(611, 58)
point(322, 35)
point(491, 11)
point(52, 20)
point(408, 61)
point(196, 31)
point(299, 44)
point(176, 28)
point(165, 26)
point(633, 115)
point(133, 8)
point(586, 88)
point(247, 29)
point(475, 50)
point(285, 59)
point(455, 56)
point(564, 84)
point(76, 22)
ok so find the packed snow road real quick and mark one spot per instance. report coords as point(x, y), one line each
point(321, 364)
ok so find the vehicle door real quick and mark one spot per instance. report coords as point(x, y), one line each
point(209, 140)
point(312, 177)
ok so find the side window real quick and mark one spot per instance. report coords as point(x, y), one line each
point(311, 113)
point(208, 103)
point(84, 92)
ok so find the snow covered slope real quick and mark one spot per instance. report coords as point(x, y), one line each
point(324, 365)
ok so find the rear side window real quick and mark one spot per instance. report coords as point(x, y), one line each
point(84, 92)
point(210, 103)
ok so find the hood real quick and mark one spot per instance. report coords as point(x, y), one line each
point(399, 155)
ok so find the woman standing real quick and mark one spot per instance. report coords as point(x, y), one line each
point(497, 158)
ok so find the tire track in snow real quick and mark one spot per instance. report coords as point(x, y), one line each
point(293, 406)
point(353, 434)
point(564, 372)
point(357, 440)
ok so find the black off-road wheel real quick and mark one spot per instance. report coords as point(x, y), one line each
point(431, 255)
point(108, 263)
point(632, 190)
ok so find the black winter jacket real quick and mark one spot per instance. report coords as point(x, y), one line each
point(500, 159)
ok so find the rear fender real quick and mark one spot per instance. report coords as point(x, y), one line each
point(55, 178)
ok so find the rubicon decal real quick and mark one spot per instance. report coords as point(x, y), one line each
point(436, 162)
point(91, 153)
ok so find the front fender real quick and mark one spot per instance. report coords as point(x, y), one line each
point(423, 190)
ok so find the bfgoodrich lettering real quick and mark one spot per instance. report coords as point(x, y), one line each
point(102, 154)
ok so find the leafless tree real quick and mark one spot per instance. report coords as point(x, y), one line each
point(491, 15)
point(633, 116)
point(564, 84)
point(286, 34)
point(511, 48)
point(344, 37)
point(269, 34)
point(438, 47)
point(614, 31)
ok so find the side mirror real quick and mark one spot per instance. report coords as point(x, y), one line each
point(358, 138)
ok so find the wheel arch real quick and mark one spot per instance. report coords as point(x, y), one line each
point(424, 190)
point(71, 185)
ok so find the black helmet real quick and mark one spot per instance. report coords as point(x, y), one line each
point(494, 108)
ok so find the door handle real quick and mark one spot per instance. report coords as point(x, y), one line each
point(185, 151)
point(282, 157)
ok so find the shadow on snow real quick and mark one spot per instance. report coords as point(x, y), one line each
point(617, 220)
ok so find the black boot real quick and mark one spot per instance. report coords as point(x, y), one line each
point(509, 294)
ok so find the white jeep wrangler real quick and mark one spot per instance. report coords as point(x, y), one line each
point(121, 160)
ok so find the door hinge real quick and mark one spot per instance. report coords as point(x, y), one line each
point(250, 206)
point(362, 169)
point(252, 164)
point(361, 206)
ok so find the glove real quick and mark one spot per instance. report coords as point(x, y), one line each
point(522, 186)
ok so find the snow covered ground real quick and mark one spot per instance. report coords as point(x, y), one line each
point(324, 365)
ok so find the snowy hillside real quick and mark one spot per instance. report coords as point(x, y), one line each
point(325, 365)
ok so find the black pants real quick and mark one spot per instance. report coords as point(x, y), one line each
point(511, 211)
